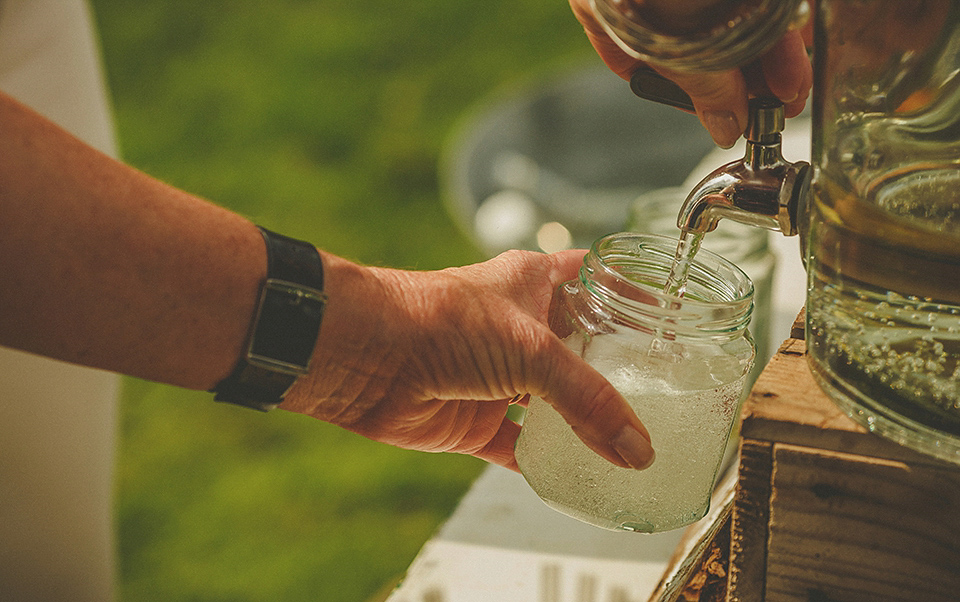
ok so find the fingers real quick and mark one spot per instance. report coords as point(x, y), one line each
point(598, 414)
point(596, 411)
point(566, 265)
point(720, 99)
point(788, 72)
point(612, 55)
point(521, 399)
point(499, 450)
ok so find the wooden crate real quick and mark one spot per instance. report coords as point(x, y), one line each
point(826, 511)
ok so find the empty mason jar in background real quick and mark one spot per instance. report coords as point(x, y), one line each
point(655, 212)
point(681, 363)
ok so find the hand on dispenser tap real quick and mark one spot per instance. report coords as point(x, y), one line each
point(719, 97)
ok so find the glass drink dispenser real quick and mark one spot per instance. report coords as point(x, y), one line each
point(883, 249)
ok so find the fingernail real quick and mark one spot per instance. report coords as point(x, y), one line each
point(633, 448)
point(723, 127)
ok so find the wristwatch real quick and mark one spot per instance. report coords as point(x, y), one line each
point(285, 326)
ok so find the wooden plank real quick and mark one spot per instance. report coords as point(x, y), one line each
point(786, 392)
point(751, 511)
point(829, 512)
point(698, 570)
point(849, 528)
point(798, 330)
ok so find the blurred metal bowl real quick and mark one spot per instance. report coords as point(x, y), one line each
point(559, 164)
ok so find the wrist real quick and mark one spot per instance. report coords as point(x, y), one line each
point(353, 359)
point(284, 329)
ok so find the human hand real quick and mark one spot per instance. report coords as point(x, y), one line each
point(720, 97)
point(431, 360)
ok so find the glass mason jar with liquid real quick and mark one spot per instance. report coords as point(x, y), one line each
point(680, 361)
point(883, 250)
point(881, 225)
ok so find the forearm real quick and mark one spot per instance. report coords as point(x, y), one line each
point(107, 267)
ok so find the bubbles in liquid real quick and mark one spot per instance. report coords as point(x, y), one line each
point(884, 316)
point(688, 408)
point(924, 198)
point(685, 393)
point(910, 346)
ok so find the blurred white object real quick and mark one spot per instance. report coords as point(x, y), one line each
point(553, 237)
point(57, 421)
point(598, 207)
point(504, 544)
point(578, 145)
point(505, 220)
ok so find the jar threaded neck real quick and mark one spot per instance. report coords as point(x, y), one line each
point(625, 274)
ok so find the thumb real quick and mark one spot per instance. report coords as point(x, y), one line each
point(720, 99)
point(596, 411)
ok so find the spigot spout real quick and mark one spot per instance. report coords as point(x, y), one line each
point(762, 189)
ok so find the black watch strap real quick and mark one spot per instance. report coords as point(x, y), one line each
point(285, 326)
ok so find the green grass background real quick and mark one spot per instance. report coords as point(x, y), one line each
point(324, 120)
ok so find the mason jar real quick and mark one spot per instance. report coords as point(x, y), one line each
point(714, 35)
point(681, 363)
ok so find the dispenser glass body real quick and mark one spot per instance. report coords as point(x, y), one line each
point(680, 362)
point(883, 247)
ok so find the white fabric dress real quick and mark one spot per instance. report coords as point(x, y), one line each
point(57, 421)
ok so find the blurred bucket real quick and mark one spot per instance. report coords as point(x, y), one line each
point(559, 164)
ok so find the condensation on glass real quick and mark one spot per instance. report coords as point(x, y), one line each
point(680, 362)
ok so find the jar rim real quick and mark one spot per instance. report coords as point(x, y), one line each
point(627, 272)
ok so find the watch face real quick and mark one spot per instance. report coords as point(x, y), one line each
point(287, 326)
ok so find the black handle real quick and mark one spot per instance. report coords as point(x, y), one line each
point(650, 85)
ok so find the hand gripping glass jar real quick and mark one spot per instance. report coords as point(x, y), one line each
point(680, 362)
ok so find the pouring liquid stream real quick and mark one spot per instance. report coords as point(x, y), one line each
point(676, 286)
point(687, 248)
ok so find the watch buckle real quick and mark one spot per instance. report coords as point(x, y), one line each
point(298, 292)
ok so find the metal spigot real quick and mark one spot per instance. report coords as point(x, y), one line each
point(761, 189)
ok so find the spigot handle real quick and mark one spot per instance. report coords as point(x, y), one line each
point(766, 117)
point(765, 121)
point(650, 85)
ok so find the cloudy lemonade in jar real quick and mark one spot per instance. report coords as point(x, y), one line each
point(681, 363)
